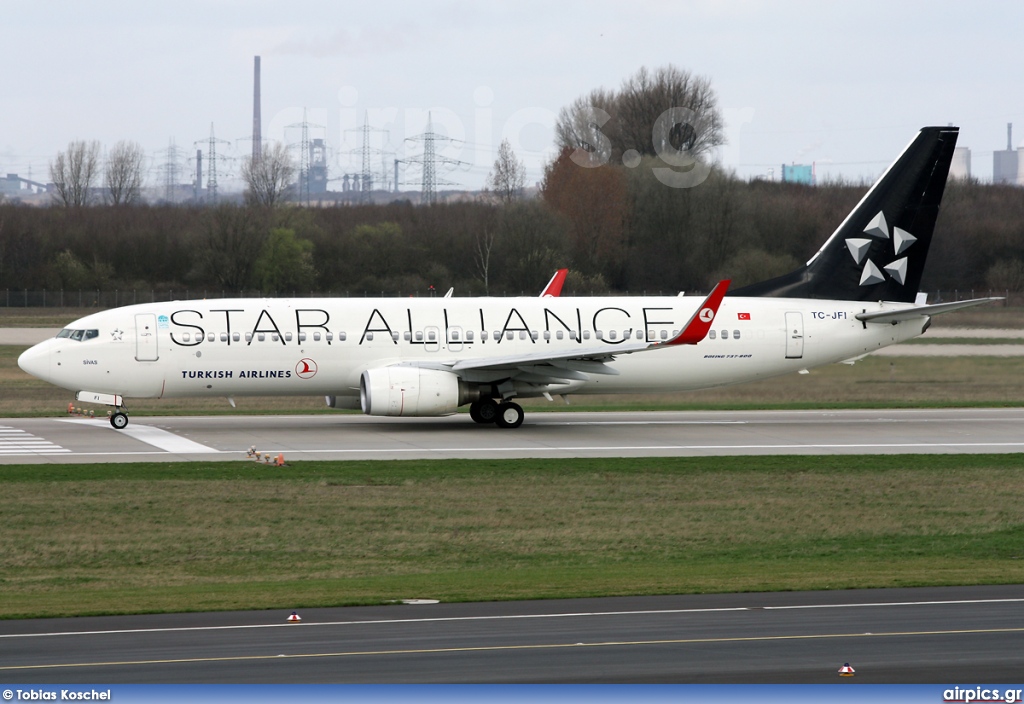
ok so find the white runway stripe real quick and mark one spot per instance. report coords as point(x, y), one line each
point(14, 441)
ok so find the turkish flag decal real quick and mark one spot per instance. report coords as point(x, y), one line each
point(744, 316)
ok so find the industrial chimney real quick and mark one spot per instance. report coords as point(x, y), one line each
point(257, 138)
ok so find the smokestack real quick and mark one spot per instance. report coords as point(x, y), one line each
point(257, 138)
point(1009, 136)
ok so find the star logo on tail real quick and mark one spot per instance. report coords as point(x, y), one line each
point(878, 228)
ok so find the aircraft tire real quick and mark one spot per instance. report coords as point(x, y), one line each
point(510, 415)
point(119, 420)
point(484, 411)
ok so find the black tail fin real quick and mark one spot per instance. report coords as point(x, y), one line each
point(878, 252)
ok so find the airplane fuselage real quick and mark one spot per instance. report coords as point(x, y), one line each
point(322, 346)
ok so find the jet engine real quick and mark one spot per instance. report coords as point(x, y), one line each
point(411, 391)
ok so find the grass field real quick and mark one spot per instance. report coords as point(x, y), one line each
point(176, 537)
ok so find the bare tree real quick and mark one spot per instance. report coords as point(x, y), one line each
point(74, 171)
point(123, 174)
point(653, 112)
point(509, 174)
point(482, 255)
point(269, 175)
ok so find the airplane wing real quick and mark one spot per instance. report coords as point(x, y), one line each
point(551, 367)
point(895, 316)
point(554, 287)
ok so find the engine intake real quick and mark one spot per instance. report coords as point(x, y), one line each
point(411, 391)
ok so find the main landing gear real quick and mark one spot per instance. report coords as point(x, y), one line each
point(119, 419)
point(505, 414)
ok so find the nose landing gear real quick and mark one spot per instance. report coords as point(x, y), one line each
point(119, 419)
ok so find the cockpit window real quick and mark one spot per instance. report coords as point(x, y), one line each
point(79, 335)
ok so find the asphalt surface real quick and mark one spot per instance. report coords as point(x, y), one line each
point(927, 635)
point(561, 435)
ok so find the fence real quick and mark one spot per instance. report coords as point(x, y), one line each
point(24, 298)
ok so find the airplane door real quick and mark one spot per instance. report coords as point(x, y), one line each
point(433, 341)
point(455, 335)
point(146, 349)
point(794, 335)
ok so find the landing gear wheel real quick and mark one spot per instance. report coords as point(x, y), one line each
point(484, 411)
point(119, 420)
point(510, 415)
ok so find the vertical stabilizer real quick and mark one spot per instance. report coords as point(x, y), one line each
point(879, 250)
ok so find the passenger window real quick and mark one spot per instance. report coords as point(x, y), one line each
point(639, 335)
point(394, 336)
point(725, 334)
point(509, 335)
point(262, 337)
point(431, 335)
point(547, 334)
point(497, 335)
point(369, 337)
point(735, 334)
point(599, 334)
point(664, 334)
point(223, 337)
point(329, 336)
point(288, 337)
point(586, 334)
point(235, 336)
point(341, 336)
point(407, 336)
point(248, 337)
point(302, 337)
point(612, 335)
point(455, 335)
point(572, 334)
point(533, 335)
point(185, 337)
point(469, 335)
point(316, 337)
point(711, 335)
point(419, 336)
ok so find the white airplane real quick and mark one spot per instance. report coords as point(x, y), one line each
point(427, 357)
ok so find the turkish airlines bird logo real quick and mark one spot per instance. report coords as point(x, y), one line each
point(707, 315)
point(306, 368)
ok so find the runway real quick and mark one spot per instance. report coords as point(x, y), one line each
point(544, 434)
point(955, 634)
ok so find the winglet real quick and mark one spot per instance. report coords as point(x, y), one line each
point(697, 327)
point(554, 287)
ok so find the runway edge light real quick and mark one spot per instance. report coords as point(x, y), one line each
point(294, 618)
point(846, 670)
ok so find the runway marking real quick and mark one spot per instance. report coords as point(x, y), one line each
point(500, 648)
point(157, 437)
point(509, 617)
point(14, 441)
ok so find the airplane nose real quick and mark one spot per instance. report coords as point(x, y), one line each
point(36, 361)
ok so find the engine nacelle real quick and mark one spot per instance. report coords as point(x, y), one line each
point(411, 391)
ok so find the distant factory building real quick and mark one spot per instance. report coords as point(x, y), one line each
point(1005, 163)
point(798, 173)
point(317, 166)
point(960, 167)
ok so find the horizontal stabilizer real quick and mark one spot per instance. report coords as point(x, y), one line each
point(896, 316)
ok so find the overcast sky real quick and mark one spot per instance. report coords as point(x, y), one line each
point(844, 85)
